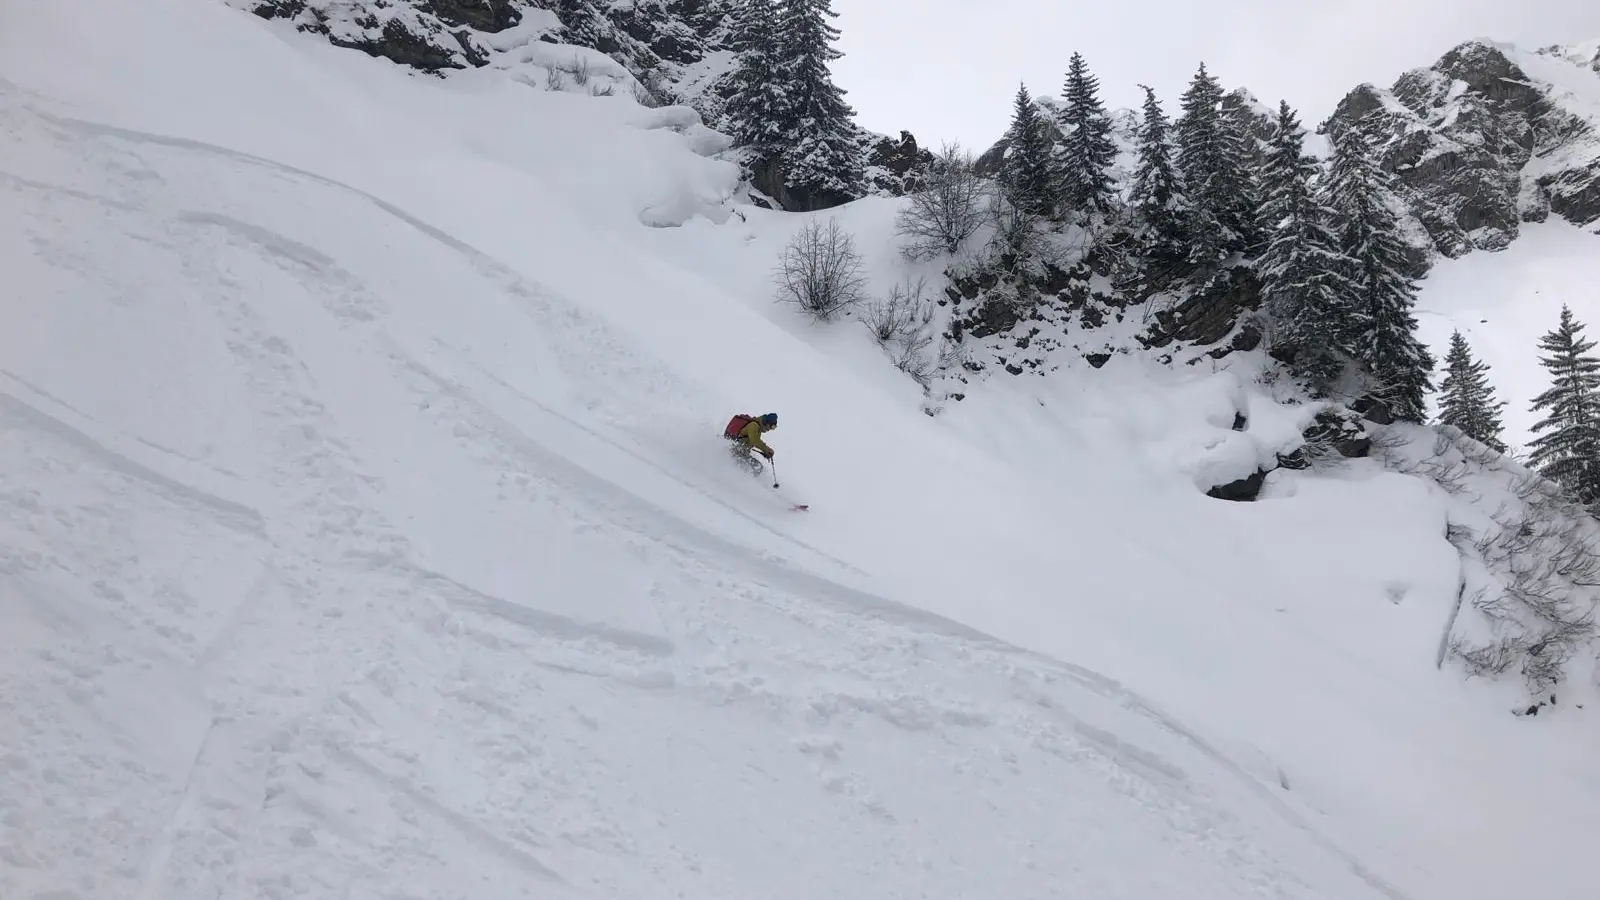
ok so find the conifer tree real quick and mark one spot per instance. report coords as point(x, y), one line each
point(755, 101)
point(1243, 212)
point(1380, 294)
point(1466, 399)
point(1568, 452)
point(1087, 151)
point(1209, 156)
point(1157, 194)
point(816, 126)
point(1301, 268)
point(1027, 175)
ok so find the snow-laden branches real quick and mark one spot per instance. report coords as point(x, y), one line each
point(1531, 560)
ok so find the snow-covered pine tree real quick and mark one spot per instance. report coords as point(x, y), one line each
point(1087, 151)
point(1157, 195)
point(1027, 174)
point(755, 98)
point(1209, 156)
point(1466, 399)
point(1568, 452)
point(816, 126)
point(1303, 285)
point(1244, 151)
point(1380, 294)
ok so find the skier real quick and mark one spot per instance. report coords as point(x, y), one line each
point(744, 435)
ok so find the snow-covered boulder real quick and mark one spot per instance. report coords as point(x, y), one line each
point(430, 35)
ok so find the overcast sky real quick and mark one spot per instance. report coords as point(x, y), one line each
point(947, 69)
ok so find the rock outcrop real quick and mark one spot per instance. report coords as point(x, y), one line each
point(429, 35)
point(1485, 139)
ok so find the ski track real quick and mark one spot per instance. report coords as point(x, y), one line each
point(342, 702)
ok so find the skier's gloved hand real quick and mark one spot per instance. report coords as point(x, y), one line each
point(768, 453)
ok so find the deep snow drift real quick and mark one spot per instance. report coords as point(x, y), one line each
point(364, 532)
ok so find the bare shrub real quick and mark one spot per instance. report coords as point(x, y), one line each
point(579, 70)
point(820, 270)
point(899, 315)
point(902, 324)
point(606, 91)
point(554, 80)
point(644, 97)
point(946, 210)
point(1541, 555)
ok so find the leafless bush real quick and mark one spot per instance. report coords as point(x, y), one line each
point(1385, 441)
point(946, 210)
point(643, 96)
point(1543, 610)
point(1542, 554)
point(579, 69)
point(1446, 471)
point(554, 80)
point(899, 316)
point(662, 93)
point(606, 91)
point(902, 324)
point(820, 270)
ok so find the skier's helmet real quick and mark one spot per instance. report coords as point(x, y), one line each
point(769, 420)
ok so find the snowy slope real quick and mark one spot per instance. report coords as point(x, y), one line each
point(1504, 302)
point(364, 532)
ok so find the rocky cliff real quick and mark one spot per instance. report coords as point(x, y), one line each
point(1487, 138)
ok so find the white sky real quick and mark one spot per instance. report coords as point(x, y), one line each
point(947, 69)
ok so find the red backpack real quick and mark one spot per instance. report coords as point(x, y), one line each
point(736, 425)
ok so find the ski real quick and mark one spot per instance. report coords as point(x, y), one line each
point(800, 507)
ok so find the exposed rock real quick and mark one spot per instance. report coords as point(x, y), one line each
point(894, 166)
point(1243, 490)
point(1246, 337)
point(1333, 432)
point(1341, 430)
point(1255, 118)
point(1211, 312)
point(483, 15)
point(769, 176)
point(411, 35)
point(1373, 410)
point(1481, 142)
point(1336, 431)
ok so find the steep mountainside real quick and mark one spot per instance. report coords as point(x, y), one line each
point(365, 532)
point(663, 51)
point(1490, 137)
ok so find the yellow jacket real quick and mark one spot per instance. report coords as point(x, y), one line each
point(751, 435)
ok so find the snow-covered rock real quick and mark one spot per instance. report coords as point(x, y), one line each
point(430, 35)
point(1487, 138)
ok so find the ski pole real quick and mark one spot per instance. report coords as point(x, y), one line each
point(774, 464)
